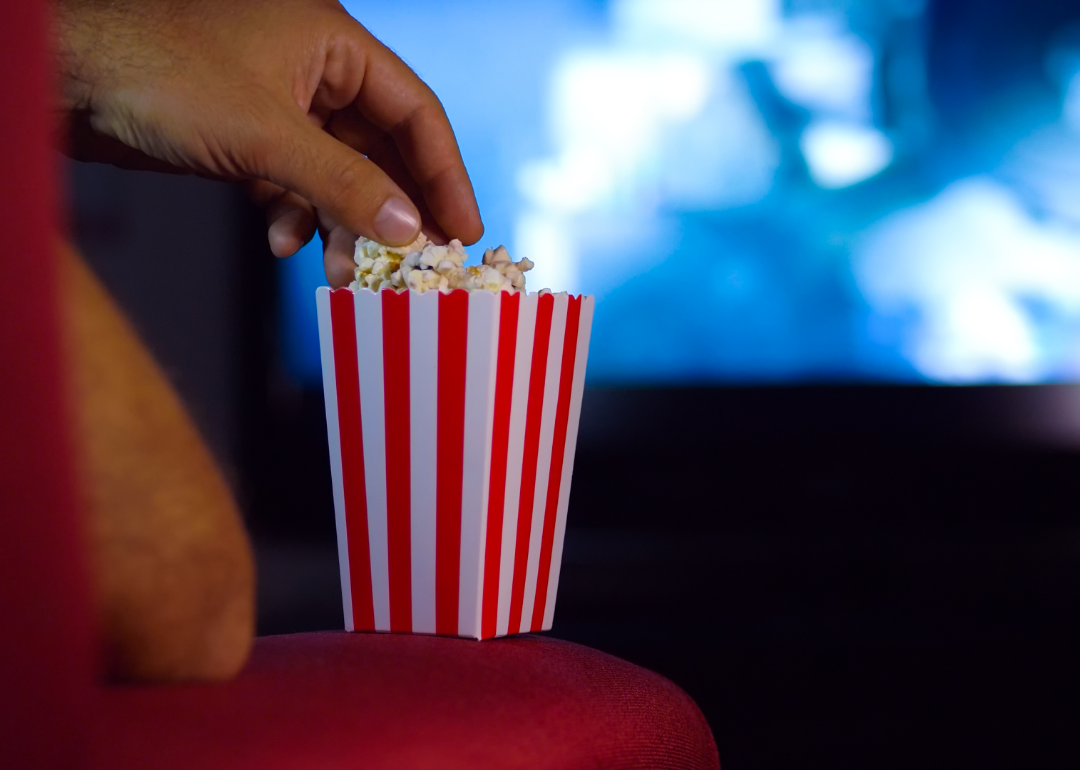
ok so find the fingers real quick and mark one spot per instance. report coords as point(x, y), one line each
point(290, 231)
point(339, 245)
point(395, 100)
point(355, 130)
point(340, 181)
point(292, 223)
point(290, 218)
point(444, 182)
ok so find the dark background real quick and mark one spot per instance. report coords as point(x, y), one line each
point(841, 576)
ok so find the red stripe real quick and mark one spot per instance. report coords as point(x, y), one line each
point(450, 460)
point(535, 410)
point(347, 377)
point(395, 309)
point(558, 452)
point(500, 444)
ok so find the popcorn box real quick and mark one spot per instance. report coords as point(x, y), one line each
point(452, 420)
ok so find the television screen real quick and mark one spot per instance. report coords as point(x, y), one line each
point(760, 191)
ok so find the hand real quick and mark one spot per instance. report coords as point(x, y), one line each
point(329, 127)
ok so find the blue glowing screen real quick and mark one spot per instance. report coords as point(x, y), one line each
point(767, 191)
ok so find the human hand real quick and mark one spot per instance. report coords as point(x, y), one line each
point(330, 128)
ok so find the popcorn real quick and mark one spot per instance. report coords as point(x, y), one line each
point(423, 266)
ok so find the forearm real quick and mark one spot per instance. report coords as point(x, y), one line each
point(174, 572)
point(94, 41)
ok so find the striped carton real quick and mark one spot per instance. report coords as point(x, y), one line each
point(452, 421)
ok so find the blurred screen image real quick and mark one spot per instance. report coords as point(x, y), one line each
point(760, 191)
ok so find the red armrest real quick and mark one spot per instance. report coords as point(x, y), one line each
point(336, 700)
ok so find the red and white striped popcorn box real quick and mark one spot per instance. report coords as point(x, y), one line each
point(452, 422)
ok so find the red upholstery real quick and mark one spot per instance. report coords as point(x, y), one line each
point(45, 651)
point(336, 700)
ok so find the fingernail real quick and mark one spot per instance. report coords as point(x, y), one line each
point(397, 222)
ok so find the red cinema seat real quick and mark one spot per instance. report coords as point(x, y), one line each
point(336, 700)
point(327, 700)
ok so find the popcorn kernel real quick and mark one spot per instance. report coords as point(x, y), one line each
point(423, 266)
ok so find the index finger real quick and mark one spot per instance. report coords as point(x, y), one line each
point(393, 98)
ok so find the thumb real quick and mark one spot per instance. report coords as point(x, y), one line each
point(340, 181)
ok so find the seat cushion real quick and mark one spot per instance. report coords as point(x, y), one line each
point(337, 700)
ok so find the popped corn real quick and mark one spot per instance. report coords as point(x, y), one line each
point(423, 266)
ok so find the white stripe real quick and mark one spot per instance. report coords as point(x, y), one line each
point(373, 415)
point(423, 443)
point(515, 450)
point(580, 359)
point(481, 361)
point(543, 457)
point(333, 435)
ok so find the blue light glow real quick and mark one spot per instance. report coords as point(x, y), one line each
point(760, 191)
